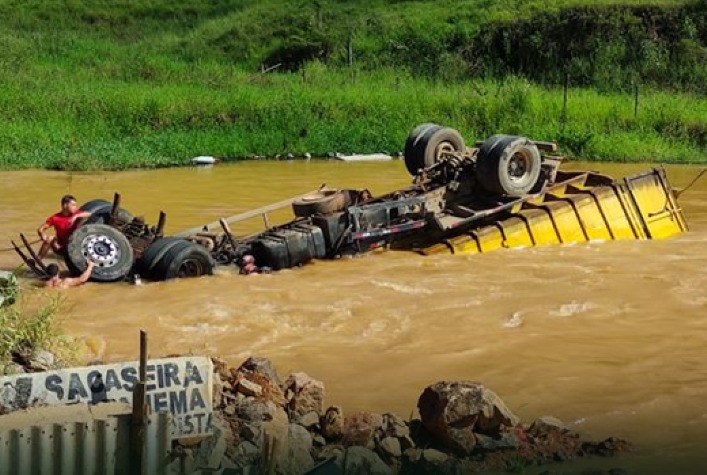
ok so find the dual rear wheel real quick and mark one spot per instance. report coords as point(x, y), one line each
point(175, 258)
point(506, 165)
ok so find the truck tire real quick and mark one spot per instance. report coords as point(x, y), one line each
point(183, 260)
point(100, 212)
point(321, 202)
point(154, 253)
point(103, 244)
point(427, 146)
point(508, 165)
point(412, 163)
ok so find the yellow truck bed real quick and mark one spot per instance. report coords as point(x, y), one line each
point(579, 207)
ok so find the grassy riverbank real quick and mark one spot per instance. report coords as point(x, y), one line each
point(114, 124)
point(141, 84)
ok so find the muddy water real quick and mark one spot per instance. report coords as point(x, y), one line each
point(609, 336)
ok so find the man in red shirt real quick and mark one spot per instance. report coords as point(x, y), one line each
point(64, 223)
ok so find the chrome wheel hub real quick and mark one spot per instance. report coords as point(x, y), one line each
point(101, 249)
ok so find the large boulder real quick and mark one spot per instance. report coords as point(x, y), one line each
point(303, 394)
point(453, 411)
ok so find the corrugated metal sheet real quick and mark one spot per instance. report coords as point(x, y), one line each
point(78, 448)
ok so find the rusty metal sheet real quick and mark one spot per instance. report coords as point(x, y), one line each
point(77, 448)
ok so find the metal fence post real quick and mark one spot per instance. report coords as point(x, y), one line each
point(139, 417)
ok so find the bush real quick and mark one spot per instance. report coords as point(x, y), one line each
point(23, 331)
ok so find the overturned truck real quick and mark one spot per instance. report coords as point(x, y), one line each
point(507, 191)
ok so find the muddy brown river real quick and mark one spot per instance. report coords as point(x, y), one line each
point(609, 337)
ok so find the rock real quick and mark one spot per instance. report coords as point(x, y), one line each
point(359, 460)
point(391, 447)
point(220, 367)
point(252, 433)
point(298, 458)
point(230, 410)
point(508, 440)
point(304, 394)
point(246, 454)
point(41, 360)
point(453, 411)
point(211, 451)
point(333, 423)
point(262, 366)
point(318, 440)
point(359, 428)
point(413, 455)
point(406, 442)
point(249, 388)
point(434, 456)
point(13, 368)
point(394, 426)
point(419, 434)
point(329, 451)
point(309, 420)
point(547, 424)
point(606, 448)
point(257, 411)
point(217, 393)
point(434, 462)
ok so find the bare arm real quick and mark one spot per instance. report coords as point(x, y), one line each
point(83, 278)
point(42, 230)
point(80, 215)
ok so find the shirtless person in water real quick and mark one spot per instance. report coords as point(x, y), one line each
point(64, 223)
point(57, 282)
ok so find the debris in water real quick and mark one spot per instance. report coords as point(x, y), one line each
point(570, 309)
point(514, 320)
point(204, 160)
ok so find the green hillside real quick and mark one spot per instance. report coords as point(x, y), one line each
point(91, 84)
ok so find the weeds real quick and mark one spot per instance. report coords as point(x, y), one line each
point(23, 330)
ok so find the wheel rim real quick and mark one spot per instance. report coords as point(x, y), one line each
point(190, 268)
point(443, 149)
point(518, 167)
point(101, 249)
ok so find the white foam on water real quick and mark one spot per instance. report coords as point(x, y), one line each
point(207, 328)
point(219, 312)
point(402, 288)
point(374, 328)
point(514, 321)
point(570, 309)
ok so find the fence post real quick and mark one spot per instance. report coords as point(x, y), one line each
point(139, 417)
point(565, 87)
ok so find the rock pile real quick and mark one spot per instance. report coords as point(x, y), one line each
point(269, 425)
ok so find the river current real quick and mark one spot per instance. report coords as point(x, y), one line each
point(609, 337)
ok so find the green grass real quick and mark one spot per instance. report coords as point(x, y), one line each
point(114, 124)
point(111, 85)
